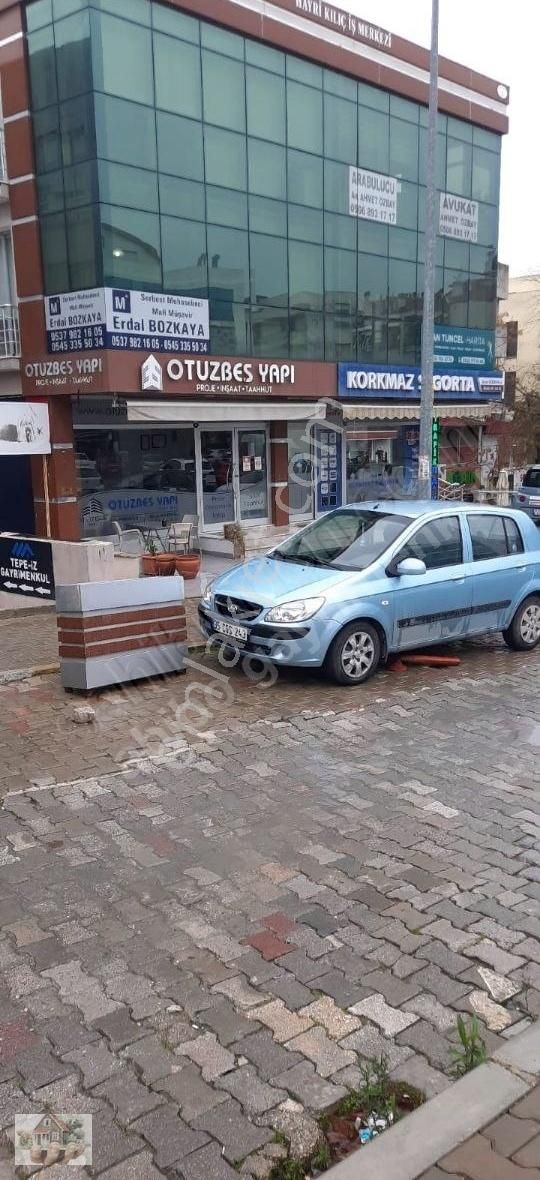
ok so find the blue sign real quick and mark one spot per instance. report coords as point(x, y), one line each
point(404, 383)
point(329, 482)
point(464, 348)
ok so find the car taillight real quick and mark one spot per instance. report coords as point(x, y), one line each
point(522, 499)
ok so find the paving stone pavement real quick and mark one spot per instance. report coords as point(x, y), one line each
point(507, 1149)
point(204, 946)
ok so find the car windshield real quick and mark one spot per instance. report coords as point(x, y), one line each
point(532, 478)
point(346, 539)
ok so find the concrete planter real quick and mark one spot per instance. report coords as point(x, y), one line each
point(116, 632)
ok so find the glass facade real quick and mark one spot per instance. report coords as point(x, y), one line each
point(175, 155)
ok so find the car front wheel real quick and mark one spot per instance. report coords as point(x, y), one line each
point(355, 654)
point(524, 631)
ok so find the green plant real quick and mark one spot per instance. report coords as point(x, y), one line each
point(150, 547)
point(472, 1048)
point(288, 1170)
point(322, 1158)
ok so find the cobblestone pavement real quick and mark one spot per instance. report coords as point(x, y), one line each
point(201, 948)
point(508, 1149)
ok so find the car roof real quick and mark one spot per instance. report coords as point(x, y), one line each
point(417, 508)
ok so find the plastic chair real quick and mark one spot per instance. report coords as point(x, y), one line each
point(179, 536)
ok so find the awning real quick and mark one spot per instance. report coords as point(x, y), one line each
point(182, 411)
point(411, 413)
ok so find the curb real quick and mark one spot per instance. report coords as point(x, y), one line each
point(416, 1143)
point(26, 612)
point(15, 675)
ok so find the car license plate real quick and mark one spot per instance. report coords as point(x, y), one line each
point(232, 630)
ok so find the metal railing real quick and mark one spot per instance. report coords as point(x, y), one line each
point(10, 340)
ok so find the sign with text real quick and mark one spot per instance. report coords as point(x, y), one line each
point(458, 217)
point(464, 348)
point(345, 22)
point(24, 429)
point(109, 317)
point(405, 383)
point(219, 376)
point(373, 196)
point(26, 567)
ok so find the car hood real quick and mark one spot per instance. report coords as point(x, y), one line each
point(269, 582)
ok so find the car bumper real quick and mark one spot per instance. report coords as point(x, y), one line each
point(301, 646)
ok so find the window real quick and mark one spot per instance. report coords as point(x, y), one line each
point(304, 117)
point(485, 175)
point(305, 275)
point(224, 206)
point(84, 267)
point(262, 55)
point(493, 536)
point(42, 67)
point(73, 57)
point(268, 216)
point(267, 169)
point(181, 198)
point(134, 188)
point(269, 279)
point(185, 266)
point(305, 224)
point(178, 76)
point(340, 129)
point(225, 156)
point(228, 263)
point(459, 167)
point(437, 544)
point(126, 133)
point(122, 59)
point(265, 105)
point(180, 146)
point(531, 479)
point(344, 539)
point(224, 96)
point(305, 179)
point(131, 247)
point(403, 149)
point(176, 24)
point(340, 280)
point(373, 136)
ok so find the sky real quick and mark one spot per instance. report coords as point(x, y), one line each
point(498, 38)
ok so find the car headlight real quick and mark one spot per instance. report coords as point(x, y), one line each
point(208, 596)
point(294, 612)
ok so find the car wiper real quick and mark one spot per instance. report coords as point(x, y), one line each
point(277, 556)
point(315, 561)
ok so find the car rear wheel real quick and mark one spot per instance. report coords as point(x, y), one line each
point(524, 631)
point(355, 654)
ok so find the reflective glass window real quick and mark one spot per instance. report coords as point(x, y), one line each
point(226, 207)
point(73, 55)
point(185, 262)
point(83, 253)
point(304, 71)
point(80, 184)
point(225, 158)
point(336, 187)
point(372, 285)
point(139, 10)
point(261, 55)
point(177, 76)
point(126, 133)
point(401, 287)
point(222, 41)
point(230, 328)
point(38, 14)
point(340, 129)
point(174, 23)
point(304, 117)
point(339, 337)
point(458, 167)
point(267, 170)
point(42, 64)
point(372, 97)
point(120, 184)
point(402, 243)
point(403, 149)
point(224, 91)
point(47, 139)
point(265, 105)
point(181, 198)
point(373, 141)
point(77, 131)
point(268, 216)
point(305, 179)
point(180, 146)
point(306, 334)
point(54, 253)
point(131, 247)
point(51, 192)
point(340, 231)
point(270, 331)
point(340, 280)
point(305, 224)
point(228, 263)
point(485, 175)
point(339, 85)
point(122, 58)
point(305, 275)
point(269, 276)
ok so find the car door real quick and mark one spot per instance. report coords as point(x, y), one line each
point(435, 606)
point(499, 570)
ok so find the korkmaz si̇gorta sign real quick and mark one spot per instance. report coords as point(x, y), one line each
point(405, 383)
point(26, 567)
point(107, 317)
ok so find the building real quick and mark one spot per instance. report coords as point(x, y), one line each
point(218, 215)
point(520, 339)
point(50, 1130)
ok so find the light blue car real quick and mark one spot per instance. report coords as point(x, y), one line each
point(373, 578)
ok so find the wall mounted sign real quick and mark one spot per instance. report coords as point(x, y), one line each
point(219, 376)
point(328, 468)
point(108, 317)
point(464, 348)
point(345, 22)
point(404, 383)
point(373, 196)
point(458, 217)
point(51, 375)
point(24, 429)
point(26, 567)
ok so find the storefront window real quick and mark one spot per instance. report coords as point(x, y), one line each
point(375, 459)
point(300, 469)
point(135, 477)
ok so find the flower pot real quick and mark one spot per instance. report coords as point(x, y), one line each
point(188, 564)
point(149, 567)
point(165, 564)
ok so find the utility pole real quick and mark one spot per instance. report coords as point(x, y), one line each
point(430, 238)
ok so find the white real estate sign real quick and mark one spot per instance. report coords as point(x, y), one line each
point(458, 217)
point(107, 317)
point(373, 195)
point(24, 429)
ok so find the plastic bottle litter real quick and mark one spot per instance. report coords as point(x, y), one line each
point(368, 1128)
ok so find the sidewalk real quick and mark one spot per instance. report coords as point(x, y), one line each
point(485, 1127)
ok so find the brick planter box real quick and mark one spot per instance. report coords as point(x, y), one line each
point(116, 632)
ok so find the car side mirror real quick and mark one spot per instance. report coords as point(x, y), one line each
point(410, 567)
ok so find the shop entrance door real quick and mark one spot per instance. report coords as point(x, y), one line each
point(233, 475)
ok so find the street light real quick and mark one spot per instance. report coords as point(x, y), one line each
point(428, 315)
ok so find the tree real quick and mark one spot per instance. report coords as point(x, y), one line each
point(526, 426)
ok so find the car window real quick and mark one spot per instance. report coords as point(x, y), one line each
point(347, 539)
point(532, 478)
point(514, 539)
point(437, 544)
point(493, 536)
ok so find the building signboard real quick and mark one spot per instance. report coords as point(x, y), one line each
point(26, 567)
point(458, 217)
point(230, 377)
point(24, 429)
point(404, 383)
point(107, 317)
point(344, 22)
point(51, 376)
point(373, 196)
point(464, 348)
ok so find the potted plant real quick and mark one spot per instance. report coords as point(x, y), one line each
point(149, 564)
point(165, 564)
point(188, 565)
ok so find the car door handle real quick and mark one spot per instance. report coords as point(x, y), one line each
point(460, 580)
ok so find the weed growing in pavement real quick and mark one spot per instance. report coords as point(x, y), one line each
point(288, 1169)
point(376, 1093)
point(472, 1048)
